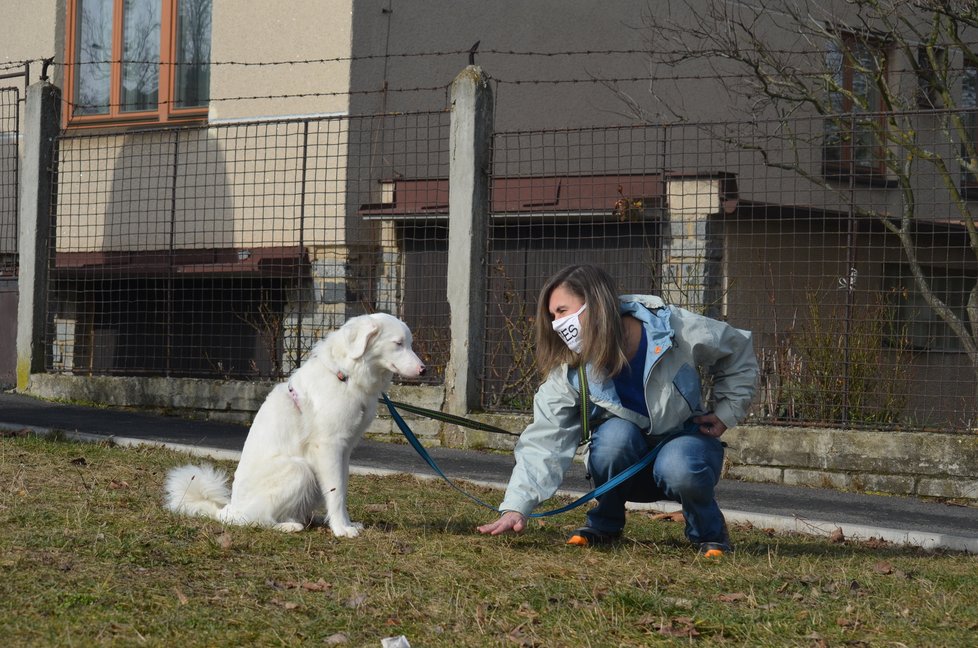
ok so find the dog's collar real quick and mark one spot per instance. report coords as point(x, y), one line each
point(295, 397)
point(294, 393)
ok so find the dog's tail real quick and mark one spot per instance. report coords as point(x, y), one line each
point(197, 490)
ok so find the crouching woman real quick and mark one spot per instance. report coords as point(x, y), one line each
point(641, 362)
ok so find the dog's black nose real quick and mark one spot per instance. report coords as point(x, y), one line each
point(421, 373)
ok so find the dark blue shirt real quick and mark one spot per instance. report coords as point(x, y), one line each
point(630, 383)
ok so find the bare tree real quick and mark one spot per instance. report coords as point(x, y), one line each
point(868, 71)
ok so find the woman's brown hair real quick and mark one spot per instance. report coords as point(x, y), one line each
point(603, 340)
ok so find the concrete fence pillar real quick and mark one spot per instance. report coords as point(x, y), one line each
point(468, 231)
point(40, 127)
point(692, 253)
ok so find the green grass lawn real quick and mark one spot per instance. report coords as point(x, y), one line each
point(90, 557)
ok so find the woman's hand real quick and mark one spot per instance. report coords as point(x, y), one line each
point(710, 425)
point(508, 522)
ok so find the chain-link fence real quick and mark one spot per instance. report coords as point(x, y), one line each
point(558, 198)
point(9, 122)
point(855, 281)
point(228, 250)
point(9, 192)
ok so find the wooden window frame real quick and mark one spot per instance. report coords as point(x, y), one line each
point(166, 112)
point(969, 183)
point(847, 165)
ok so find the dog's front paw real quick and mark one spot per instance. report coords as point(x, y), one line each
point(350, 530)
point(289, 527)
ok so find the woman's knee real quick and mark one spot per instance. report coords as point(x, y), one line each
point(616, 441)
point(689, 466)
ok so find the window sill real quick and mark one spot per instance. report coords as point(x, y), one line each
point(116, 124)
point(860, 177)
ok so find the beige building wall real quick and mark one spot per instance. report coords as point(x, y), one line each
point(27, 30)
point(116, 192)
point(236, 186)
point(257, 31)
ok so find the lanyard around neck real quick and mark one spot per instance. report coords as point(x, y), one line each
point(585, 405)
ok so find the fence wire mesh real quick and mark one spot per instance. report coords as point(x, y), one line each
point(563, 197)
point(759, 224)
point(9, 138)
point(228, 250)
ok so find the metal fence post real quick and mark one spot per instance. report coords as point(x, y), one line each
point(41, 124)
point(468, 213)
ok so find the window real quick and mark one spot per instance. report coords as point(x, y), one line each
point(931, 75)
point(969, 119)
point(915, 324)
point(852, 132)
point(137, 60)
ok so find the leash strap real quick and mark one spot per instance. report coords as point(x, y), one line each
point(450, 418)
point(597, 492)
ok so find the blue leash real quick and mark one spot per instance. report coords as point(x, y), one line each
point(597, 492)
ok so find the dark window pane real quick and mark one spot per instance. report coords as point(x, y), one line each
point(193, 72)
point(93, 52)
point(141, 55)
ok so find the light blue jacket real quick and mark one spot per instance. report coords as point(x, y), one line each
point(679, 341)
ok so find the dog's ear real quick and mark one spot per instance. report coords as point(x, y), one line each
point(359, 335)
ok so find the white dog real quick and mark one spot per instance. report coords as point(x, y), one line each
point(297, 453)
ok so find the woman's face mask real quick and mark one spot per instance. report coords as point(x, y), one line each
point(569, 330)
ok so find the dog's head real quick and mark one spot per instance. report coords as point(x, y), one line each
point(385, 341)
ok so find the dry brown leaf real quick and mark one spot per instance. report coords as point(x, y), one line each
point(517, 636)
point(675, 516)
point(837, 536)
point(402, 548)
point(319, 586)
point(818, 639)
point(526, 610)
point(732, 598)
point(649, 620)
point(336, 639)
point(118, 484)
point(285, 605)
point(224, 540)
point(356, 601)
point(883, 567)
point(181, 596)
point(679, 627)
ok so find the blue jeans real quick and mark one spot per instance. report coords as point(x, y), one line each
point(686, 471)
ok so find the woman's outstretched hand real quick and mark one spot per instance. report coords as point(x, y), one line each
point(508, 522)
